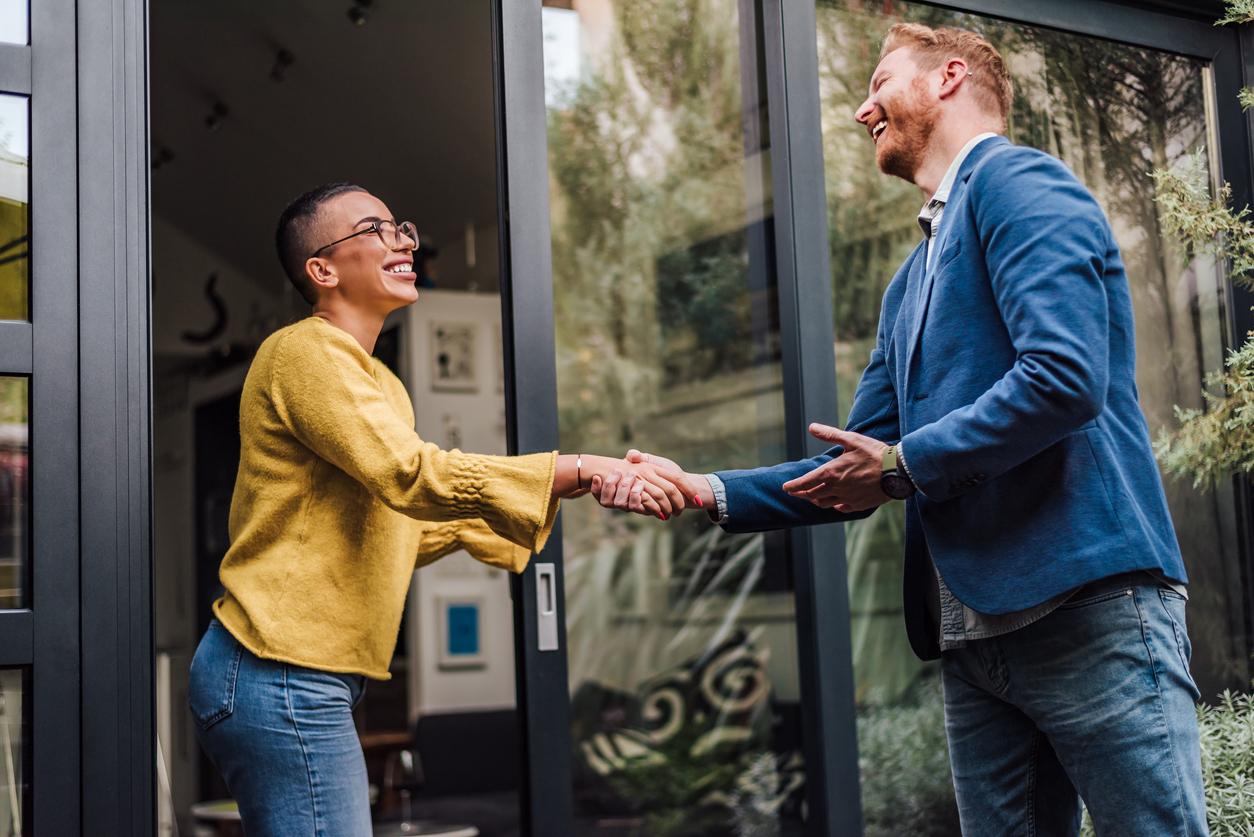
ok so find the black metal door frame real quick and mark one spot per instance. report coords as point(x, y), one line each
point(118, 776)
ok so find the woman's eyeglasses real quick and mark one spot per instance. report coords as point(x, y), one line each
point(389, 232)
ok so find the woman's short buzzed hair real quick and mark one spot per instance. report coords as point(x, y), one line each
point(932, 47)
point(293, 238)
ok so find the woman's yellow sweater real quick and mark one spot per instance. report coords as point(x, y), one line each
point(338, 500)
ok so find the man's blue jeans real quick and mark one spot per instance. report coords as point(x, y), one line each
point(283, 738)
point(1094, 701)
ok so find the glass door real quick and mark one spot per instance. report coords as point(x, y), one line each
point(673, 679)
point(1112, 110)
point(681, 639)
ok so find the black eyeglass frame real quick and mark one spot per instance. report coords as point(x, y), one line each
point(376, 228)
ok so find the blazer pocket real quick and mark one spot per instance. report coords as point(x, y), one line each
point(213, 676)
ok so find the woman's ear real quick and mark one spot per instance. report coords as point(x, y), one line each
point(321, 273)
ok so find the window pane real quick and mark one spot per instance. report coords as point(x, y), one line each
point(14, 207)
point(681, 639)
point(1112, 113)
point(14, 793)
point(14, 23)
point(14, 490)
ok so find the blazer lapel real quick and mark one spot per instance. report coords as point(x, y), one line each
point(957, 197)
point(913, 316)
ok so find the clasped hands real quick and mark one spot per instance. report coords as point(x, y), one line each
point(847, 483)
point(641, 486)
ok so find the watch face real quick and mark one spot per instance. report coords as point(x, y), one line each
point(896, 486)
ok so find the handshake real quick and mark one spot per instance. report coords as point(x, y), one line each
point(639, 482)
point(847, 478)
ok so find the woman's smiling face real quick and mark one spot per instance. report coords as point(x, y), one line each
point(368, 274)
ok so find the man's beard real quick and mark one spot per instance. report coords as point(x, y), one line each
point(913, 122)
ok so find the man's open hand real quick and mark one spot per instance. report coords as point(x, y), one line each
point(851, 481)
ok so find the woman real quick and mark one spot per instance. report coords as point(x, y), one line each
point(336, 502)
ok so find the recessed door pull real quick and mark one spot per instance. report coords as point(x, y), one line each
point(546, 607)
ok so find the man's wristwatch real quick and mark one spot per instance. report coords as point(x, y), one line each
point(893, 480)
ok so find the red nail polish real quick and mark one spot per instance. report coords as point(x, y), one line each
point(700, 504)
point(661, 516)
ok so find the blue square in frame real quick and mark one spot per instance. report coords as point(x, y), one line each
point(463, 629)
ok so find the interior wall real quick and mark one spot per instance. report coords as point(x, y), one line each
point(181, 268)
point(473, 421)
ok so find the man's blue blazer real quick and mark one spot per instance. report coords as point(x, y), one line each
point(1007, 375)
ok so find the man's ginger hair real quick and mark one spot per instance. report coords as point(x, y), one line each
point(933, 47)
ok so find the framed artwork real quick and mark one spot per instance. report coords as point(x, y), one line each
point(460, 632)
point(453, 366)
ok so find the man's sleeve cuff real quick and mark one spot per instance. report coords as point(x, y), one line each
point(718, 514)
point(901, 457)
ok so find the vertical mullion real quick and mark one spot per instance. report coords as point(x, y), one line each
point(118, 747)
point(529, 345)
point(807, 337)
point(54, 566)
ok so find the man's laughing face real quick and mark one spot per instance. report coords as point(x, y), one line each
point(899, 114)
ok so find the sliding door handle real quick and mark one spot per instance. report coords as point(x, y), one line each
point(546, 607)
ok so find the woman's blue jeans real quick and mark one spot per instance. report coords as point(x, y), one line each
point(283, 738)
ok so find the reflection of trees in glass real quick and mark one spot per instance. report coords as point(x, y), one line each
point(14, 469)
point(13, 401)
point(664, 343)
point(14, 231)
point(649, 207)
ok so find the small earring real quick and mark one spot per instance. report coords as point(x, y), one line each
point(970, 73)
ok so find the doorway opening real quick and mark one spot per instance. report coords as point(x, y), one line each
point(252, 104)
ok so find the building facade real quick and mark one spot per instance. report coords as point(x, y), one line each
point(656, 226)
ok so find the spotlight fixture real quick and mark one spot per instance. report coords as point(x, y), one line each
point(357, 13)
point(217, 113)
point(161, 155)
point(282, 60)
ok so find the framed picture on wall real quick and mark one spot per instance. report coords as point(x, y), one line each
point(460, 632)
point(453, 362)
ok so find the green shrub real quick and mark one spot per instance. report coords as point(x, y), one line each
point(904, 762)
point(1227, 735)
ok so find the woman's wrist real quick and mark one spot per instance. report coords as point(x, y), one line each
point(566, 473)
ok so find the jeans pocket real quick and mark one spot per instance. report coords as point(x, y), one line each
point(1173, 607)
point(213, 676)
point(1088, 601)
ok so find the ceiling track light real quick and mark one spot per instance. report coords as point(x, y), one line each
point(283, 59)
point(358, 12)
point(161, 155)
point(217, 113)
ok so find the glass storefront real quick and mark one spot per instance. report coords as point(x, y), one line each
point(14, 773)
point(1113, 113)
point(681, 639)
point(14, 489)
point(14, 204)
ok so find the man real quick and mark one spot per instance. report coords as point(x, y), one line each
point(1000, 403)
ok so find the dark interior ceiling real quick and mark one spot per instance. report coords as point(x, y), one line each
point(401, 105)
